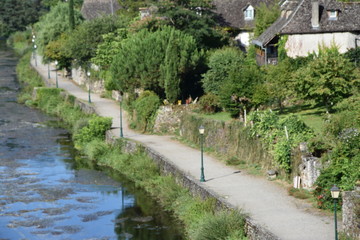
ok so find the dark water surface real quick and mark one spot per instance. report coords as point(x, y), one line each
point(47, 193)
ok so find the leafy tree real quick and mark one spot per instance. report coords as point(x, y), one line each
point(109, 48)
point(221, 62)
point(265, 16)
point(353, 55)
point(53, 24)
point(237, 92)
point(71, 14)
point(170, 69)
point(197, 22)
point(327, 79)
point(278, 81)
point(143, 62)
point(83, 41)
point(16, 15)
point(55, 50)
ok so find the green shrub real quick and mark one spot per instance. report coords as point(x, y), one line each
point(210, 103)
point(96, 129)
point(95, 149)
point(145, 108)
point(19, 41)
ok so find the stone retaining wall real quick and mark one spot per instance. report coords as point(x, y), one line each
point(351, 213)
point(79, 77)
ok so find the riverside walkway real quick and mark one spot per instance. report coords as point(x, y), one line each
point(267, 203)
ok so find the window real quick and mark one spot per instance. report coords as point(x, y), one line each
point(333, 14)
point(249, 13)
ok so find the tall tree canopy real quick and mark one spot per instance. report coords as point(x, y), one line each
point(221, 63)
point(156, 61)
point(52, 25)
point(196, 21)
point(83, 41)
point(327, 79)
point(16, 15)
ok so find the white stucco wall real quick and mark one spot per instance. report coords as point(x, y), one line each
point(303, 44)
point(243, 38)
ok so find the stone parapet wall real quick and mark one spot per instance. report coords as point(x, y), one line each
point(351, 213)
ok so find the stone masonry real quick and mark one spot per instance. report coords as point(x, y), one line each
point(351, 212)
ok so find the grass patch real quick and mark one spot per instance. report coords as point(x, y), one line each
point(220, 116)
point(300, 193)
point(312, 116)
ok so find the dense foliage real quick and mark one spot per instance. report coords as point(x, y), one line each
point(280, 136)
point(16, 15)
point(265, 16)
point(327, 79)
point(145, 108)
point(156, 61)
point(52, 25)
point(221, 62)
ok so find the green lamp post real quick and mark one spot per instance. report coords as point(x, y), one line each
point(202, 131)
point(121, 128)
point(35, 54)
point(56, 75)
point(335, 192)
point(88, 80)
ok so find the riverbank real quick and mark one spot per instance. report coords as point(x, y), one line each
point(199, 216)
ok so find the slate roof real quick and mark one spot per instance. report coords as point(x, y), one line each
point(96, 8)
point(231, 12)
point(348, 19)
point(299, 20)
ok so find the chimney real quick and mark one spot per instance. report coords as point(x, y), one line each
point(315, 13)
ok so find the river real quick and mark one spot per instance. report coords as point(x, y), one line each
point(46, 190)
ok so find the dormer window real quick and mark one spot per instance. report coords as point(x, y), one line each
point(249, 13)
point(333, 14)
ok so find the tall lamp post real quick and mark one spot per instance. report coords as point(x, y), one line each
point(56, 78)
point(33, 41)
point(88, 80)
point(35, 54)
point(335, 192)
point(48, 70)
point(201, 131)
point(121, 128)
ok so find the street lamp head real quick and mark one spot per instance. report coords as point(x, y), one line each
point(335, 192)
point(35, 46)
point(33, 40)
point(33, 36)
point(88, 73)
point(201, 129)
point(56, 62)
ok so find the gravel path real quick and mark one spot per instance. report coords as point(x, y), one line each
point(265, 202)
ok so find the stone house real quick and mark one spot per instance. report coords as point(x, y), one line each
point(308, 24)
point(239, 15)
point(96, 8)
